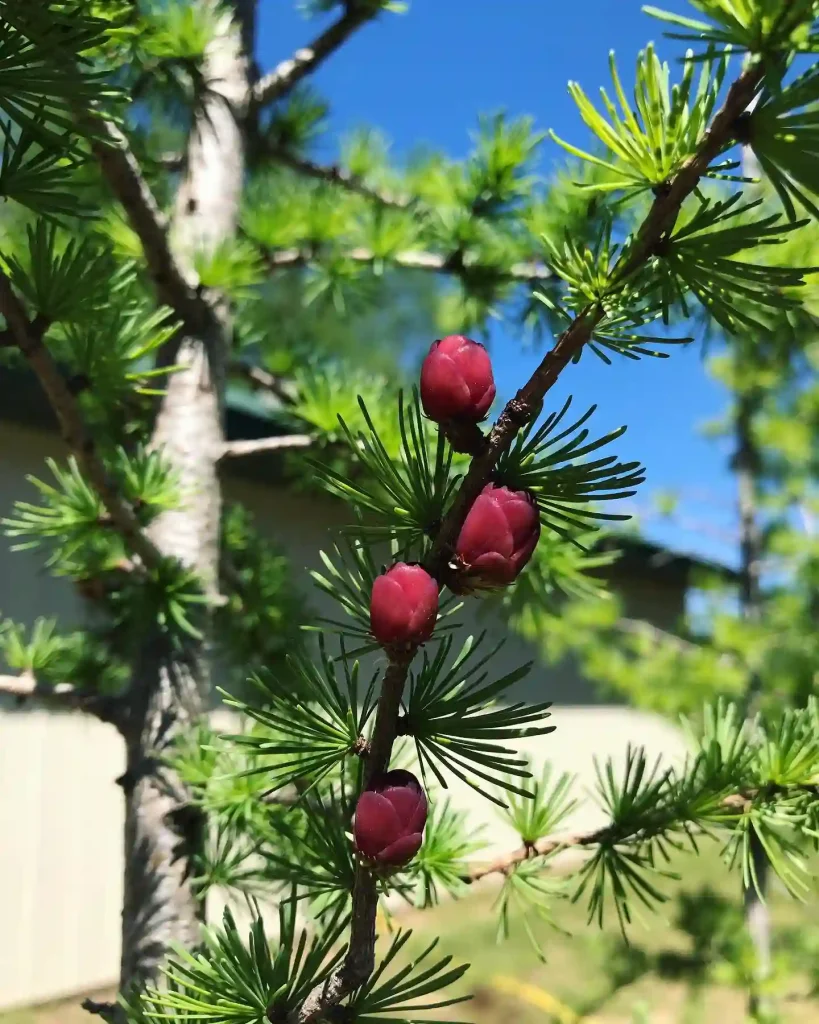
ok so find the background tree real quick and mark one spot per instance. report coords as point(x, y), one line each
point(136, 517)
point(750, 637)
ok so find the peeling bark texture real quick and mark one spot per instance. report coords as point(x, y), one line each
point(170, 684)
point(162, 831)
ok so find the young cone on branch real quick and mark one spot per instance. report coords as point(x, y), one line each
point(390, 819)
point(457, 390)
point(403, 606)
point(457, 383)
point(497, 539)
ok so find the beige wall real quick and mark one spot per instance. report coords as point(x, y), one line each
point(60, 855)
point(61, 813)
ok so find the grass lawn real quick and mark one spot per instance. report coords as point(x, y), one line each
point(588, 974)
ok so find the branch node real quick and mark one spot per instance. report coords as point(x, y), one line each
point(743, 128)
point(361, 748)
point(465, 438)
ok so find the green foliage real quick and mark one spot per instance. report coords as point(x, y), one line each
point(349, 582)
point(214, 771)
point(112, 351)
point(310, 722)
point(230, 859)
point(699, 260)
point(538, 810)
point(633, 659)
point(526, 897)
point(297, 121)
point(441, 863)
point(478, 219)
point(407, 989)
point(231, 982)
point(330, 396)
point(315, 274)
point(782, 132)
point(763, 27)
point(739, 781)
point(541, 807)
point(171, 47)
point(591, 281)
point(53, 658)
point(317, 859)
point(234, 267)
point(39, 178)
point(46, 71)
point(538, 461)
point(260, 622)
point(72, 518)
point(63, 280)
point(405, 498)
point(653, 137)
point(167, 599)
point(455, 721)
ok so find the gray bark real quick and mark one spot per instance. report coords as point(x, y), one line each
point(171, 685)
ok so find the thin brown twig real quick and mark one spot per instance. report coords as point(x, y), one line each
point(335, 174)
point(331, 174)
point(734, 805)
point(111, 1013)
point(503, 864)
point(654, 230)
point(29, 339)
point(263, 380)
point(412, 259)
point(641, 628)
point(285, 76)
point(61, 697)
point(254, 446)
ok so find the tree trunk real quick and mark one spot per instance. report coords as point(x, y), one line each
point(162, 832)
point(171, 686)
point(746, 462)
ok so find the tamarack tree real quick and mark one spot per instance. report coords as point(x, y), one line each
point(129, 319)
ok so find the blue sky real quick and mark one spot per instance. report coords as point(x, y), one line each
point(423, 77)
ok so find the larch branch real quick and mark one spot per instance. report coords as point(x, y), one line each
point(61, 697)
point(28, 336)
point(263, 380)
point(660, 220)
point(279, 259)
point(175, 289)
point(254, 446)
point(360, 960)
point(332, 174)
point(111, 1013)
point(285, 76)
point(658, 636)
point(732, 806)
point(335, 174)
